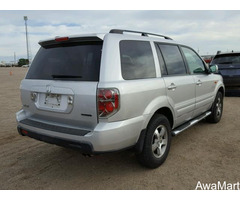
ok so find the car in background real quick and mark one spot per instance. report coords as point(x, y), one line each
point(229, 67)
point(207, 58)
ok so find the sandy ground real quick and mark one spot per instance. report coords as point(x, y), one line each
point(205, 152)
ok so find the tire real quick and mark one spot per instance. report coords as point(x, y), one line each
point(216, 109)
point(157, 142)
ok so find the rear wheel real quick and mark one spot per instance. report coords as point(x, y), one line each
point(157, 142)
point(216, 109)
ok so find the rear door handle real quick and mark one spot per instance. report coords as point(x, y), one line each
point(199, 83)
point(172, 87)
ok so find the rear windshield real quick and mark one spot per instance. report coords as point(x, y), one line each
point(69, 61)
point(226, 59)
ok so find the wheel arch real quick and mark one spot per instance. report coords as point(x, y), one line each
point(222, 90)
point(167, 112)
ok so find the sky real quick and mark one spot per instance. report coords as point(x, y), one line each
point(205, 31)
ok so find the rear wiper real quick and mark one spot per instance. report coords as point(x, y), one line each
point(226, 63)
point(65, 76)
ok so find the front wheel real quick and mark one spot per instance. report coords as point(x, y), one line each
point(217, 109)
point(157, 142)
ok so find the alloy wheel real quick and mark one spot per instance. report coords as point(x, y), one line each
point(159, 141)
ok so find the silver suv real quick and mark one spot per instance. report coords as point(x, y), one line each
point(108, 92)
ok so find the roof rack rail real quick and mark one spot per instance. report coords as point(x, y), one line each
point(120, 31)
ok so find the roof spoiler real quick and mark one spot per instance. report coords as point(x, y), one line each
point(62, 40)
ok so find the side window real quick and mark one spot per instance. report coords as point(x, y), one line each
point(195, 64)
point(136, 60)
point(161, 61)
point(173, 59)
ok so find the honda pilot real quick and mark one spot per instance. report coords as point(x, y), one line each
point(109, 92)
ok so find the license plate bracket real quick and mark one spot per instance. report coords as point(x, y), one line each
point(53, 100)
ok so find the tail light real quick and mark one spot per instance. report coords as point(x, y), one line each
point(108, 102)
point(24, 132)
point(61, 39)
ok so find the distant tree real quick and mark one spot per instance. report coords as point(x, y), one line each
point(23, 61)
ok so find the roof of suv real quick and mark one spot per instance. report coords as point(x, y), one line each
point(118, 32)
point(228, 53)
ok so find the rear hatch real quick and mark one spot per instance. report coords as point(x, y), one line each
point(229, 68)
point(61, 84)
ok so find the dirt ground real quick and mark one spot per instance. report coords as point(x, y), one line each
point(206, 152)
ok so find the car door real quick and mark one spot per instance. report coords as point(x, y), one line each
point(204, 82)
point(180, 86)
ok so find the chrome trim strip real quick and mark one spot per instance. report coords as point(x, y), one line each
point(190, 123)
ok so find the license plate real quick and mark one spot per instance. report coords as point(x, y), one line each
point(53, 100)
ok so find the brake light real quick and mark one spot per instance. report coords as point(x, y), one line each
point(24, 132)
point(108, 102)
point(61, 39)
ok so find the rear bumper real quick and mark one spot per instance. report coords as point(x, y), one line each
point(106, 137)
point(83, 147)
point(231, 81)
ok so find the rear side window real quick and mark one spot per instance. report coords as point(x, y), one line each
point(69, 61)
point(173, 59)
point(136, 60)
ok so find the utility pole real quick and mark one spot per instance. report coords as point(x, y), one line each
point(25, 19)
point(14, 58)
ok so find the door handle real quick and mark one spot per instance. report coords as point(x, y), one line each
point(172, 87)
point(199, 83)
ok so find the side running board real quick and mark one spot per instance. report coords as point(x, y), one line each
point(185, 126)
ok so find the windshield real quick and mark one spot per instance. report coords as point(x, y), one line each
point(70, 61)
point(226, 59)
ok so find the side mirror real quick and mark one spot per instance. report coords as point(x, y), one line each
point(213, 69)
point(198, 70)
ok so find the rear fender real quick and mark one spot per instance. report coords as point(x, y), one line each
point(153, 107)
